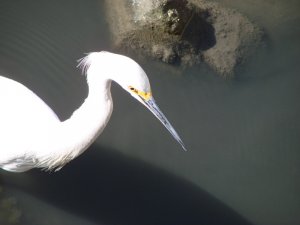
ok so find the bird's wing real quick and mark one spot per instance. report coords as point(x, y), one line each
point(23, 115)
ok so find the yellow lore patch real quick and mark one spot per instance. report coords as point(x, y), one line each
point(144, 95)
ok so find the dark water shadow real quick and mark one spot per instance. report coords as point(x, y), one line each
point(110, 188)
point(200, 33)
point(194, 27)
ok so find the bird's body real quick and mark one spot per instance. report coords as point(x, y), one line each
point(33, 136)
point(17, 116)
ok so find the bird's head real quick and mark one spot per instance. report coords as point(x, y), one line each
point(130, 76)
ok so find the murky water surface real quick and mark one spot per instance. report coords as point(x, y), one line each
point(243, 135)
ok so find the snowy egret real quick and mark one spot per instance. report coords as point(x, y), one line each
point(31, 134)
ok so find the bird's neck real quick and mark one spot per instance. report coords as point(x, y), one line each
point(74, 135)
point(89, 120)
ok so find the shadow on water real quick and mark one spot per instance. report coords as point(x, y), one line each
point(110, 188)
point(195, 26)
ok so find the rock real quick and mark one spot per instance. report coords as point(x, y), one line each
point(181, 32)
point(9, 213)
point(236, 38)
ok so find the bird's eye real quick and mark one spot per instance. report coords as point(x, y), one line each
point(133, 89)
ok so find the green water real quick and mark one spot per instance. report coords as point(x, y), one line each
point(243, 162)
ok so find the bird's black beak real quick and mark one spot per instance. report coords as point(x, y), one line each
point(152, 106)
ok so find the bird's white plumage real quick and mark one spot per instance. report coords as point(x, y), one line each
point(33, 136)
point(23, 115)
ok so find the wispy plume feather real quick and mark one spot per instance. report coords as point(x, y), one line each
point(84, 63)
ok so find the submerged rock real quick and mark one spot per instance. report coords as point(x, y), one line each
point(182, 32)
point(9, 213)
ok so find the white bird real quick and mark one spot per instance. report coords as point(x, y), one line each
point(31, 134)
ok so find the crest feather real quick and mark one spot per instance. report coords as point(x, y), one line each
point(85, 62)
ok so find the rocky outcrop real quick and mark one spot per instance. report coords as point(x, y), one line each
point(182, 32)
